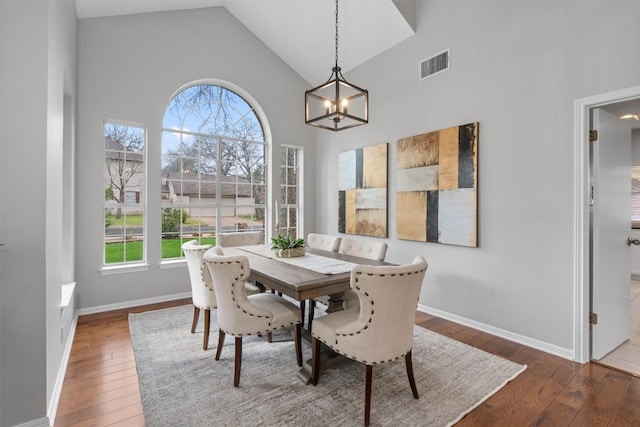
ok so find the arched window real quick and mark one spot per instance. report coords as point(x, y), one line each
point(213, 166)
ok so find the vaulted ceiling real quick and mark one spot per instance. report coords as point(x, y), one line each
point(300, 32)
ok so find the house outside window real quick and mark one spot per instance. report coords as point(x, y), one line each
point(124, 193)
point(214, 169)
point(290, 184)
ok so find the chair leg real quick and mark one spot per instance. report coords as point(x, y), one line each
point(412, 380)
point(367, 396)
point(220, 343)
point(312, 309)
point(269, 337)
point(238, 364)
point(196, 315)
point(207, 325)
point(298, 345)
point(315, 360)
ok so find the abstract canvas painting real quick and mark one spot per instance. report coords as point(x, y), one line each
point(362, 192)
point(437, 186)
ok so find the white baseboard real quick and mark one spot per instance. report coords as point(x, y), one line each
point(40, 422)
point(565, 353)
point(57, 388)
point(134, 303)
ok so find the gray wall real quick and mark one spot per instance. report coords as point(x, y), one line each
point(128, 69)
point(516, 68)
point(38, 53)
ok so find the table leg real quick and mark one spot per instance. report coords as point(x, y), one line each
point(328, 360)
point(328, 357)
point(335, 302)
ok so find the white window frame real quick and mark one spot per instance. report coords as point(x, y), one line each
point(217, 202)
point(137, 265)
point(298, 206)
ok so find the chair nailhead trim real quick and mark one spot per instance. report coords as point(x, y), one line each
point(271, 327)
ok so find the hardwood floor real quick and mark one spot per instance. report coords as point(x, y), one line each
point(101, 384)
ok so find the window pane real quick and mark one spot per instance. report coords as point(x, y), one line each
point(289, 190)
point(213, 164)
point(124, 202)
point(292, 195)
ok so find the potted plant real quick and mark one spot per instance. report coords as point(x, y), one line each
point(287, 247)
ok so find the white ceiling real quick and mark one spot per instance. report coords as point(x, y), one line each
point(300, 32)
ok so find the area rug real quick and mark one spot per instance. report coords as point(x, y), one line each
point(183, 385)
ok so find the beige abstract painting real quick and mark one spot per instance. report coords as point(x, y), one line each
point(437, 186)
point(362, 192)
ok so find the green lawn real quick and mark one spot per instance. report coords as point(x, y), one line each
point(138, 220)
point(131, 220)
point(115, 252)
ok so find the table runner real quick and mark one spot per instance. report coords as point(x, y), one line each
point(317, 263)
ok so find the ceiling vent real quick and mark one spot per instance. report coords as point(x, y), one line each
point(434, 64)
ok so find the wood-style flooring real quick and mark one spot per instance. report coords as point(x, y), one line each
point(101, 384)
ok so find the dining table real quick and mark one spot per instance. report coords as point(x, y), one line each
point(317, 274)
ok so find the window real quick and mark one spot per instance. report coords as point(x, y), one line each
point(124, 189)
point(289, 210)
point(213, 167)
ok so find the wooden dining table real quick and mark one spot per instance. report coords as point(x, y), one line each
point(297, 282)
point(301, 283)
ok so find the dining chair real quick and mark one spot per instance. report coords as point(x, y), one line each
point(240, 314)
point(380, 330)
point(202, 292)
point(323, 242)
point(244, 238)
point(369, 249)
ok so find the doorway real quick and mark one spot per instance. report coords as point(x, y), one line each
point(584, 273)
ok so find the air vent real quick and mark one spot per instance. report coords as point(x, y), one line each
point(434, 64)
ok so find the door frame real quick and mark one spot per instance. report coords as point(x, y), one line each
point(582, 190)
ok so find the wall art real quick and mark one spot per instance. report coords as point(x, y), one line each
point(437, 186)
point(362, 192)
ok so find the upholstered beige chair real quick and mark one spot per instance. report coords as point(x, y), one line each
point(240, 315)
point(239, 239)
point(323, 242)
point(381, 329)
point(244, 238)
point(202, 293)
point(369, 249)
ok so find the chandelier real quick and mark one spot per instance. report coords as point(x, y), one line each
point(337, 104)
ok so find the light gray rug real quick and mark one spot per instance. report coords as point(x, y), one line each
point(182, 385)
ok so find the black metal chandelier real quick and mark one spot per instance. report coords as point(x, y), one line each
point(337, 104)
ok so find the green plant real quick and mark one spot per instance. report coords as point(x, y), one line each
point(108, 219)
point(286, 242)
point(172, 218)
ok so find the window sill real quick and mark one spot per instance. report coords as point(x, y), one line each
point(123, 268)
point(66, 295)
point(173, 263)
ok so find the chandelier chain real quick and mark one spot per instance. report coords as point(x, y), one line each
point(336, 33)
